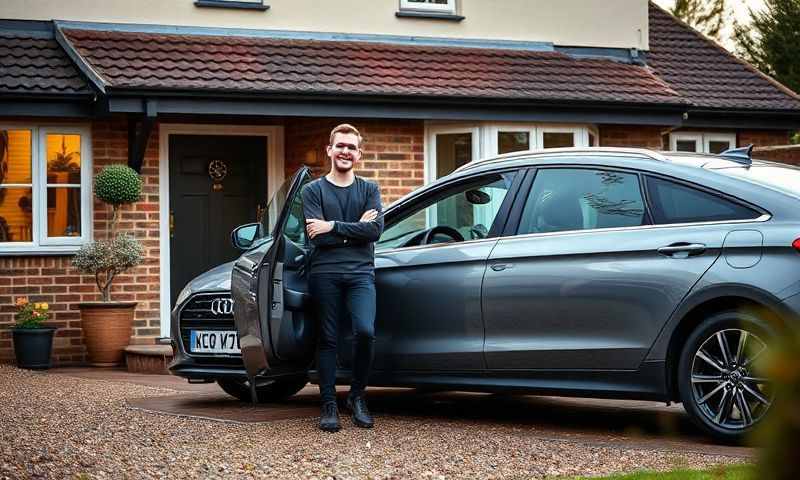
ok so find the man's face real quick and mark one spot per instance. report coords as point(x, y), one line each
point(344, 152)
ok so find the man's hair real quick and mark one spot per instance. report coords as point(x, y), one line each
point(345, 128)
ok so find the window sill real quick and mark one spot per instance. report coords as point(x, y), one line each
point(29, 250)
point(430, 15)
point(225, 4)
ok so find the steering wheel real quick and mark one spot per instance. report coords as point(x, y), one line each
point(444, 230)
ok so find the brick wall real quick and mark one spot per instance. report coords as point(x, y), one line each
point(631, 136)
point(785, 154)
point(52, 279)
point(762, 138)
point(392, 151)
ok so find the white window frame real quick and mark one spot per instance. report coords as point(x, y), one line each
point(484, 138)
point(580, 134)
point(430, 147)
point(718, 137)
point(449, 7)
point(702, 140)
point(42, 244)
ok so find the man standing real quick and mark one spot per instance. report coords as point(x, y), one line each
point(343, 220)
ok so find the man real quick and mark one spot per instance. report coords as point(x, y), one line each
point(343, 219)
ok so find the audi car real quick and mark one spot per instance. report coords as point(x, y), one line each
point(600, 272)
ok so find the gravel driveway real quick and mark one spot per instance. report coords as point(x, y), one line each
point(57, 426)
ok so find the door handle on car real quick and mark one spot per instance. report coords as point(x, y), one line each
point(499, 267)
point(682, 249)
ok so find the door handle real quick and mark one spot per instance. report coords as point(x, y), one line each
point(682, 249)
point(499, 267)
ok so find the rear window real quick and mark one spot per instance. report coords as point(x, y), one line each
point(676, 203)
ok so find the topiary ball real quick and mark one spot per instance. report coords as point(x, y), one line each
point(117, 185)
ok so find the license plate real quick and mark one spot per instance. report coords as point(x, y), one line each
point(214, 341)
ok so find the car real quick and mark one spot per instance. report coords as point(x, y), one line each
point(594, 272)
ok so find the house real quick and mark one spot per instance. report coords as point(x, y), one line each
point(255, 86)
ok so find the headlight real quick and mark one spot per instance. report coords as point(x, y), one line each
point(183, 295)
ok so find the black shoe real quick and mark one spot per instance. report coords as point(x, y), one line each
point(329, 418)
point(361, 417)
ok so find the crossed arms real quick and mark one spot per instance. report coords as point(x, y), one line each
point(329, 233)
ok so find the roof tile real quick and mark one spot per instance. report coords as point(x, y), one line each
point(707, 74)
point(32, 64)
point(128, 60)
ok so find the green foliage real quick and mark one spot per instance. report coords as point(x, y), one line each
point(105, 259)
point(723, 472)
point(771, 41)
point(117, 185)
point(31, 315)
point(707, 16)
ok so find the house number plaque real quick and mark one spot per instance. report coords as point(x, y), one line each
point(217, 170)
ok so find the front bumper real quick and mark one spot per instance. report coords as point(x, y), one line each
point(201, 366)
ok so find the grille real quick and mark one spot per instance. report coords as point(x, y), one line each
point(196, 314)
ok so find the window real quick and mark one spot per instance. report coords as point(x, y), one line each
point(466, 213)
point(580, 199)
point(675, 203)
point(702, 142)
point(242, 4)
point(45, 193)
point(440, 6)
point(451, 146)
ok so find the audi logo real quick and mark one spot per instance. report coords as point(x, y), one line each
point(222, 306)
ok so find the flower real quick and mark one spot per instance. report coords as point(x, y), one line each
point(37, 306)
point(45, 306)
point(22, 301)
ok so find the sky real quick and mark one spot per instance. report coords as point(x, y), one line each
point(739, 9)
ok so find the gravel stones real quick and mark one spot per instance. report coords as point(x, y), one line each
point(55, 426)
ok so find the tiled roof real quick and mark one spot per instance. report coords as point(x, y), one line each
point(705, 73)
point(33, 63)
point(130, 60)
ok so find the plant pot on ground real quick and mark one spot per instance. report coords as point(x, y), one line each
point(33, 341)
point(107, 324)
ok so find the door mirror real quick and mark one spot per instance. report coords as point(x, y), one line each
point(243, 236)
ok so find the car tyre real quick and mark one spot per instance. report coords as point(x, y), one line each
point(718, 378)
point(277, 391)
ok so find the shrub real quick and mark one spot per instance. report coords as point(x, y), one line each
point(115, 185)
point(105, 259)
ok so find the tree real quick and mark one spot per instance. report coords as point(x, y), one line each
point(771, 41)
point(707, 16)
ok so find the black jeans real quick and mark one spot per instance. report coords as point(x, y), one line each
point(338, 295)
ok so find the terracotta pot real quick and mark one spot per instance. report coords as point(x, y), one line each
point(106, 330)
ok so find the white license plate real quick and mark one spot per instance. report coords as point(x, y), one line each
point(214, 341)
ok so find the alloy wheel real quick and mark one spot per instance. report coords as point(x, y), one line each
point(726, 385)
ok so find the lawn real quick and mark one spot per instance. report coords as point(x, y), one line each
point(730, 472)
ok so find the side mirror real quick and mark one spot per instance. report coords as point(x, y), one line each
point(477, 197)
point(243, 236)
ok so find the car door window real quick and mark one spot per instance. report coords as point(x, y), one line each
point(579, 199)
point(672, 202)
point(464, 213)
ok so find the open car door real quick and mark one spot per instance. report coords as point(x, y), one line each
point(270, 294)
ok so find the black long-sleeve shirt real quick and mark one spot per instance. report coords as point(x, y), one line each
point(349, 247)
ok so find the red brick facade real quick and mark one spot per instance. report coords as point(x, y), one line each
point(393, 151)
point(393, 156)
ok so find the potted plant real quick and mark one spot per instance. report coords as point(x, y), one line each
point(33, 341)
point(107, 324)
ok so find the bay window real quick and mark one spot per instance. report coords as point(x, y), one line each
point(449, 146)
point(45, 188)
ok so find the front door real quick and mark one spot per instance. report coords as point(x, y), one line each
point(215, 185)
